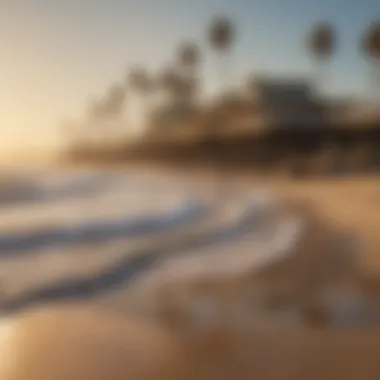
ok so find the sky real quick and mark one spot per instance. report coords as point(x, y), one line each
point(58, 55)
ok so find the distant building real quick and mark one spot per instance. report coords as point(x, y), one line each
point(265, 103)
point(286, 102)
point(279, 90)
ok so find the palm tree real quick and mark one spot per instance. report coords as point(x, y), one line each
point(188, 62)
point(371, 49)
point(166, 79)
point(322, 44)
point(188, 58)
point(221, 37)
point(143, 84)
point(110, 105)
point(139, 79)
point(114, 101)
point(174, 83)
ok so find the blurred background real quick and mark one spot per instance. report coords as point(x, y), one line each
point(148, 144)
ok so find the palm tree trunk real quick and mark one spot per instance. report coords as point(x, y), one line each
point(321, 77)
point(224, 72)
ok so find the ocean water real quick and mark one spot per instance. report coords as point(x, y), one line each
point(82, 235)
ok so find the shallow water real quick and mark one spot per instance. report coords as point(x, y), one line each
point(74, 237)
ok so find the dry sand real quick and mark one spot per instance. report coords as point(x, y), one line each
point(352, 204)
point(342, 218)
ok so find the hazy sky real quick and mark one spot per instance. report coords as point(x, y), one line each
point(55, 55)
